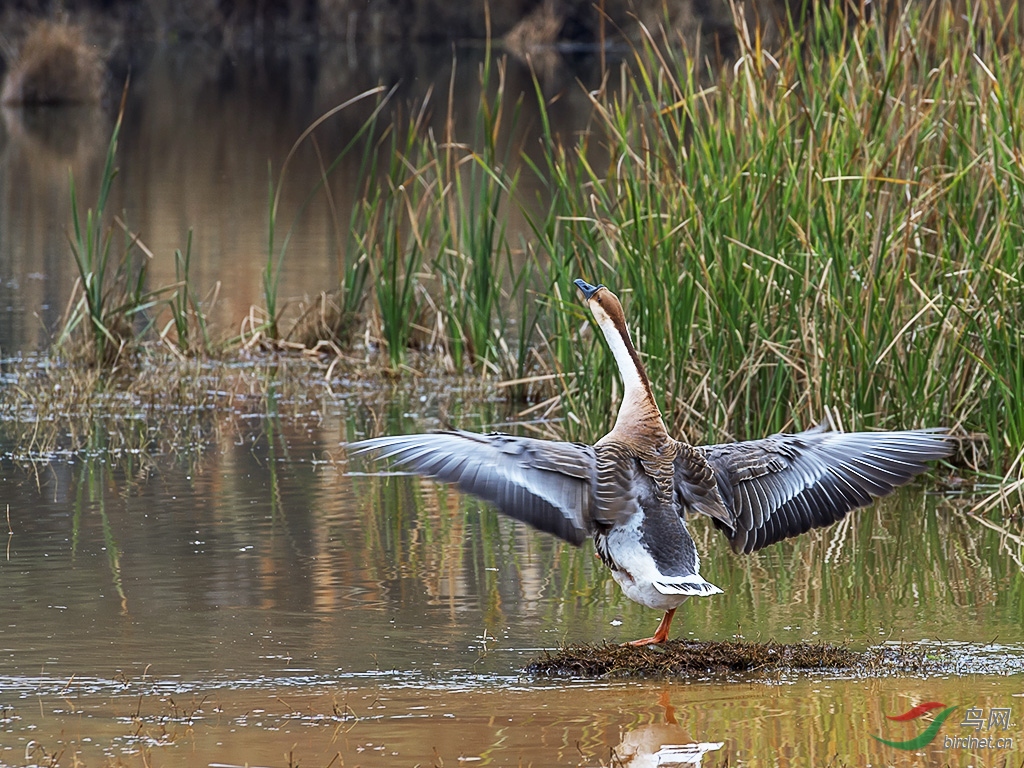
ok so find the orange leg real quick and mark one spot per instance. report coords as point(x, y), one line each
point(660, 634)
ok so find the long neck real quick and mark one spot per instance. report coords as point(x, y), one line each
point(639, 411)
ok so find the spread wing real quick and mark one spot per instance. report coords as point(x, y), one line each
point(550, 485)
point(784, 485)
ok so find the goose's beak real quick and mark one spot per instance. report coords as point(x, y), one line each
point(586, 288)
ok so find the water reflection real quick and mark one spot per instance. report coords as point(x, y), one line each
point(204, 133)
point(39, 147)
point(266, 544)
point(262, 599)
point(662, 743)
point(373, 724)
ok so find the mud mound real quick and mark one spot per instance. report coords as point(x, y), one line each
point(686, 658)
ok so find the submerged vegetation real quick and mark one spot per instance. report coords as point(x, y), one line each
point(833, 228)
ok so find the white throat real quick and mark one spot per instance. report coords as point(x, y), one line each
point(631, 381)
point(636, 397)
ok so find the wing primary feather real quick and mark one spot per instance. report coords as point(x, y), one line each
point(783, 485)
point(542, 483)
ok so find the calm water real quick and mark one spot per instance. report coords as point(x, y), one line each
point(267, 600)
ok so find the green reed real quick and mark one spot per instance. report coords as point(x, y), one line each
point(400, 222)
point(836, 225)
point(474, 186)
point(113, 294)
point(355, 273)
point(434, 233)
point(187, 316)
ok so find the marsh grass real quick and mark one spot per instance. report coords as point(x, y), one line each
point(833, 224)
point(400, 225)
point(276, 251)
point(476, 262)
point(188, 317)
point(828, 229)
point(434, 234)
point(173, 406)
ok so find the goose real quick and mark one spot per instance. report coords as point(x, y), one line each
point(633, 490)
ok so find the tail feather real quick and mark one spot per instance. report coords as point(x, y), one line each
point(694, 586)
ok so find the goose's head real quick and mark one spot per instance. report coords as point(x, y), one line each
point(604, 304)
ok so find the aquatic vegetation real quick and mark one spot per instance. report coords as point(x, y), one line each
point(476, 260)
point(401, 223)
point(276, 253)
point(790, 233)
point(172, 405)
point(187, 315)
point(828, 228)
point(113, 298)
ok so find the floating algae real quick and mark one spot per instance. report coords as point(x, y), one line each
point(688, 658)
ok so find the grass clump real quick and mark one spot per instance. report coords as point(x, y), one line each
point(354, 274)
point(836, 221)
point(171, 406)
point(112, 297)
